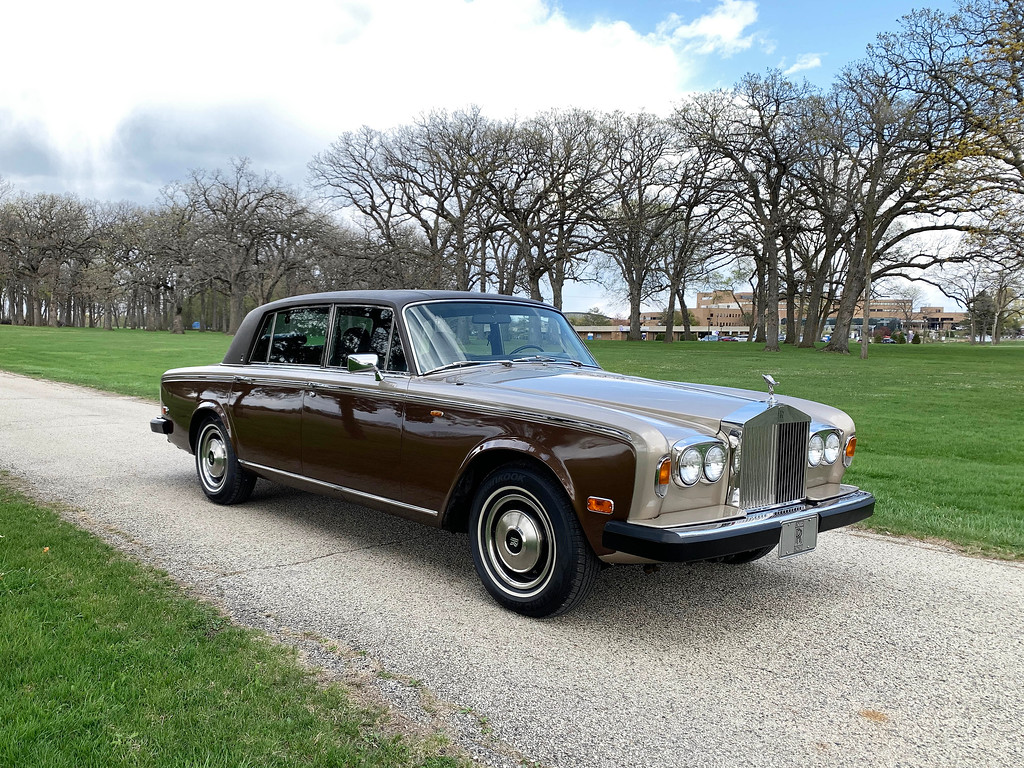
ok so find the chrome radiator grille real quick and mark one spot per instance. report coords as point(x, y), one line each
point(773, 457)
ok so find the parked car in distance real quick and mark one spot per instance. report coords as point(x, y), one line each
point(709, 337)
point(487, 414)
point(888, 340)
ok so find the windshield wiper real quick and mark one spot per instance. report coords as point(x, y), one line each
point(547, 359)
point(459, 364)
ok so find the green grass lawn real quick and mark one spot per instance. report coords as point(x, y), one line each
point(940, 426)
point(107, 663)
point(127, 362)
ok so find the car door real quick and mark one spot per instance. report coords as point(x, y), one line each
point(267, 395)
point(351, 422)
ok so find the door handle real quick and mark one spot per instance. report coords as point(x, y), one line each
point(311, 388)
point(243, 379)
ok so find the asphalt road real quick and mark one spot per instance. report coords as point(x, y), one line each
point(871, 651)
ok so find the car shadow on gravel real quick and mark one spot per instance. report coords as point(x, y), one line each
point(676, 595)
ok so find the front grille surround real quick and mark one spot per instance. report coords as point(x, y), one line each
point(773, 450)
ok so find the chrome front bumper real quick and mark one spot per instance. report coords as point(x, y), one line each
point(761, 529)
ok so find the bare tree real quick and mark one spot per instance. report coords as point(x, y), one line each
point(909, 296)
point(644, 202)
point(546, 190)
point(45, 237)
point(757, 128)
point(238, 217)
point(903, 186)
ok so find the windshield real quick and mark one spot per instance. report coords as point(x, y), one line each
point(457, 333)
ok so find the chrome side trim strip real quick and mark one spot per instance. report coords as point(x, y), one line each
point(523, 415)
point(340, 489)
point(218, 378)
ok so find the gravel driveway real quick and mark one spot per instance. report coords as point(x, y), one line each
point(870, 651)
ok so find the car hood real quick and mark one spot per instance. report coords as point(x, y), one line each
point(691, 405)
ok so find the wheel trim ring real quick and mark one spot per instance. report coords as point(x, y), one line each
point(502, 507)
point(212, 456)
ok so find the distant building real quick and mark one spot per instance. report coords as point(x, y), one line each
point(726, 313)
point(719, 310)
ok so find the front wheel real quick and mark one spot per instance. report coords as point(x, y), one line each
point(221, 477)
point(528, 547)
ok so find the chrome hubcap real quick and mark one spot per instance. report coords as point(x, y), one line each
point(213, 454)
point(517, 541)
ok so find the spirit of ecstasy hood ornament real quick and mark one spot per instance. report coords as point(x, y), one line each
point(771, 388)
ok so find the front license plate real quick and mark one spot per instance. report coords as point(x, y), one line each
point(798, 536)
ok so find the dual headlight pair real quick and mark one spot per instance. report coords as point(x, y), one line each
point(688, 462)
point(707, 460)
point(823, 448)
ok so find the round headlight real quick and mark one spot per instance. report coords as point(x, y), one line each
point(815, 448)
point(831, 448)
point(690, 464)
point(714, 463)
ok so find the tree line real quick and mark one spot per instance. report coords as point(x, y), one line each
point(809, 196)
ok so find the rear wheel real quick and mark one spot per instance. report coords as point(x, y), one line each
point(221, 477)
point(528, 547)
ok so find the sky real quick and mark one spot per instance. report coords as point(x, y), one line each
point(114, 99)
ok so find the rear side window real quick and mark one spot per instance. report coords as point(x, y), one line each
point(292, 336)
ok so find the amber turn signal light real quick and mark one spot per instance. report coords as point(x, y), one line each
point(851, 446)
point(664, 476)
point(601, 506)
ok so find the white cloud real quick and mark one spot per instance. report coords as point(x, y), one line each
point(804, 62)
point(84, 69)
point(720, 31)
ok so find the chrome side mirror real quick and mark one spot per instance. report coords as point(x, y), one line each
point(365, 362)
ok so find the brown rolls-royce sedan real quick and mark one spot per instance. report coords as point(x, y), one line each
point(487, 414)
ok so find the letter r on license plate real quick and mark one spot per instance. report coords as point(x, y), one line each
point(798, 536)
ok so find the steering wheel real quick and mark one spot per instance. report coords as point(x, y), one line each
point(526, 346)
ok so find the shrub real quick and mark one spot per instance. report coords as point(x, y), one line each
point(916, 339)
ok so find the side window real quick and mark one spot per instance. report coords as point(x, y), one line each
point(262, 345)
point(351, 336)
point(298, 336)
point(364, 330)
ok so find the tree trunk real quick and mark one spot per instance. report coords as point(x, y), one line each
point(634, 317)
point(687, 332)
point(864, 337)
point(670, 316)
point(236, 309)
point(771, 301)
